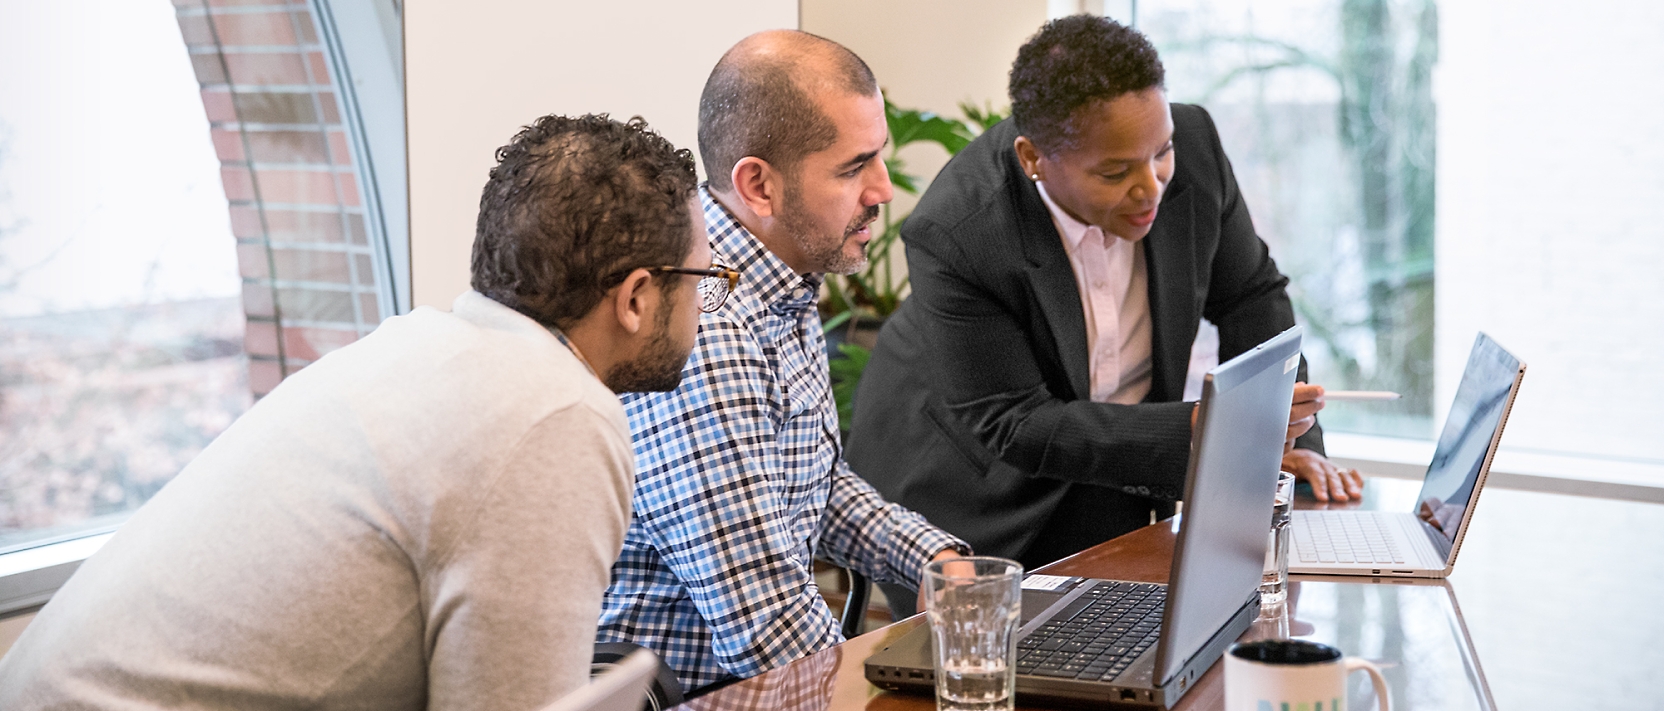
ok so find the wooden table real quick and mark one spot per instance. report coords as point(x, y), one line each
point(1413, 629)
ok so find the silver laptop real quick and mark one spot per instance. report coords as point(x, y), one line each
point(1144, 644)
point(1423, 542)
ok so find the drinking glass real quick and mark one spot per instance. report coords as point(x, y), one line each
point(1274, 583)
point(974, 605)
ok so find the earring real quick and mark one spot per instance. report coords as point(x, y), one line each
point(1034, 177)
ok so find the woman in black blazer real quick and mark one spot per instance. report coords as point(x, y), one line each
point(976, 407)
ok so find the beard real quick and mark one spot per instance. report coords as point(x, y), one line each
point(658, 368)
point(825, 255)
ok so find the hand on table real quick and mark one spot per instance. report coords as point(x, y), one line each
point(1329, 482)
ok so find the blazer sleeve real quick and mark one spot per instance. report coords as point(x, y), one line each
point(993, 382)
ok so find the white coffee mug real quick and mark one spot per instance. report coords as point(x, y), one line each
point(1293, 675)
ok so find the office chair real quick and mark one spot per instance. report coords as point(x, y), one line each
point(855, 606)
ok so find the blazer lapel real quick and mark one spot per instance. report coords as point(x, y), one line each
point(1052, 280)
point(1170, 265)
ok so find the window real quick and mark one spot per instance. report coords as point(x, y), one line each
point(1326, 110)
point(1427, 170)
point(182, 225)
point(121, 326)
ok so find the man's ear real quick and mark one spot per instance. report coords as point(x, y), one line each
point(633, 301)
point(758, 185)
point(1028, 155)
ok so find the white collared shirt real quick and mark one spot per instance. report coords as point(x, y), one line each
point(1114, 297)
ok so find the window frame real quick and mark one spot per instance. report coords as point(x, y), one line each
point(363, 44)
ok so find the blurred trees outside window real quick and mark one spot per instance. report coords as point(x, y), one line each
point(121, 318)
point(1326, 110)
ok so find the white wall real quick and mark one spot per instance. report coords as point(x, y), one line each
point(931, 55)
point(1550, 232)
point(476, 72)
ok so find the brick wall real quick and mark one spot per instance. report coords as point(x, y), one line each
point(296, 210)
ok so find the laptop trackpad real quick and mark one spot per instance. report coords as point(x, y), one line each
point(1037, 601)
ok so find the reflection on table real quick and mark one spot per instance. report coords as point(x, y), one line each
point(1412, 629)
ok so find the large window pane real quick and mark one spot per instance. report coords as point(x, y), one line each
point(1326, 109)
point(1551, 189)
point(121, 323)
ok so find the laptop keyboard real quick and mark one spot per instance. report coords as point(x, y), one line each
point(1111, 624)
point(1344, 537)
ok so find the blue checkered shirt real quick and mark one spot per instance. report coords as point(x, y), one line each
point(741, 483)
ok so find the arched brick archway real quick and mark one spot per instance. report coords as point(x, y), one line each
point(297, 212)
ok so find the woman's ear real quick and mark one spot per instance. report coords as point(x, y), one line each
point(1028, 155)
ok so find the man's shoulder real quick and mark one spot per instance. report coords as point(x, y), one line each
point(481, 373)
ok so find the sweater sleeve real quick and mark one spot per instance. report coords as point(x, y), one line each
point(512, 607)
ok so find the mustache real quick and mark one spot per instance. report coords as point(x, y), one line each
point(867, 217)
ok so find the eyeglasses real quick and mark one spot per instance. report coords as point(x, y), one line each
point(715, 284)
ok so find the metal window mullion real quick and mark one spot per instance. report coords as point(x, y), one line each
point(346, 98)
point(259, 201)
point(329, 156)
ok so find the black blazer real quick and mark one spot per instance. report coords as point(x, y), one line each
point(975, 408)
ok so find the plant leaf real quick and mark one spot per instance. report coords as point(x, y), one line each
point(900, 179)
point(984, 118)
point(846, 377)
point(836, 321)
point(911, 126)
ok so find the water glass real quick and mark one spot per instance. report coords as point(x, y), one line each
point(1274, 583)
point(974, 605)
point(1273, 623)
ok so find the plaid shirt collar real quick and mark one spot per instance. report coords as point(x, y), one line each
point(764, 278)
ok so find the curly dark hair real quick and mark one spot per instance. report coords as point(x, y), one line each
point(755, 102)
point(572, 204)
point(1073, 62)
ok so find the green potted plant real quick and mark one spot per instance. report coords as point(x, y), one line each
point(857, 304)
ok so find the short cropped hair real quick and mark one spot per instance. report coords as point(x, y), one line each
point(1073, 62)
point(756, 104)
point(574, 204)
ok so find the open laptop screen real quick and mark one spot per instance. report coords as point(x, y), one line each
point(1469, 434)
point(1238, 446)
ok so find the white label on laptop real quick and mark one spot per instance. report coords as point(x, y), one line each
point(1045, 582)
point(1292, 363)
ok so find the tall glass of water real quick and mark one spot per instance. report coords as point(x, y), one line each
point(1274, 583)
point(974, 604)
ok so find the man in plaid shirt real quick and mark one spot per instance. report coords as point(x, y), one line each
point(740, 479)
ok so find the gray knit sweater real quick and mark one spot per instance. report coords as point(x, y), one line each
point(423, 519)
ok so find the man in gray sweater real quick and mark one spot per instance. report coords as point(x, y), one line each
point(425, 518)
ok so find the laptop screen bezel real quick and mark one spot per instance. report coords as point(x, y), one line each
point(1228, 376)
point(1448, 548)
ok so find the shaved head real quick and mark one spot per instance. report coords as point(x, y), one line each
point(764, 97)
